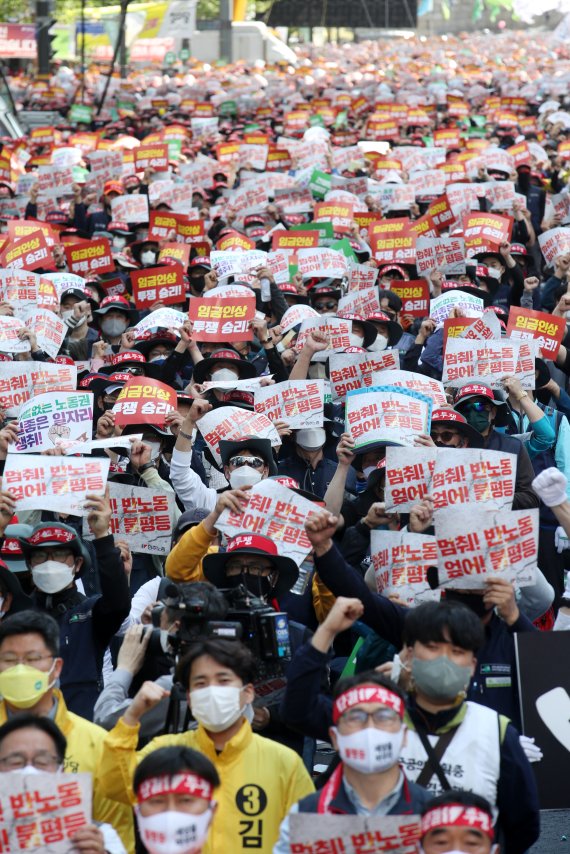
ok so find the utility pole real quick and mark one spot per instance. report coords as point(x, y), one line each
point(226, 51)
point(44, 22)
point(123, 38)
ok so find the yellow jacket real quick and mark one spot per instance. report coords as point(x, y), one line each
point(184, 563)
point(84, 745)
point(261, 780)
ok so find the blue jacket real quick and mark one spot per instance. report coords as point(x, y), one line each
point(314, 480)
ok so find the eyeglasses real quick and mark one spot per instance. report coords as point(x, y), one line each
point(478, 406)
point(234, 567)
point(356, 719)
point(445, 435)
point(32, 659)
point(110, 401)
point(40, 555)
point(42, 761)
point(322, 306)
point(254, 462)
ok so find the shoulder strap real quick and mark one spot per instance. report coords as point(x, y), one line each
point(434, 754)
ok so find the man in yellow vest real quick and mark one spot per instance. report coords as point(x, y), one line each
point(261, 779)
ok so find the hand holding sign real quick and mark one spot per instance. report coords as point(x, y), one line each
point(99, 518)
point(500, 594)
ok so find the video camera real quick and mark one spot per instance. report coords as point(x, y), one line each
point(239, 615)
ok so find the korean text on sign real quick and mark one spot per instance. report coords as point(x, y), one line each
point(386, 415)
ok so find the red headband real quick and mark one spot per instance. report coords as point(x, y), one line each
point(178, 784)
point(458, 815)
point(367, 694)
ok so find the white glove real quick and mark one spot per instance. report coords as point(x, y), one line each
point(550, 486)
point(532, 752)
point(561, 540)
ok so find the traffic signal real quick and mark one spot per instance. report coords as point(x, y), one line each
point(44, 39)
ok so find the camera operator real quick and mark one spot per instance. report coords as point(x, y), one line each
point(147, 655)
point(261, 779)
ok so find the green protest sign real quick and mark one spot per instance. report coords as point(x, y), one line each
point(320, 184)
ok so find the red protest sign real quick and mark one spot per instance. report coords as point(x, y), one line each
point(393, 240)
point(90, 256)
point(18, 228)
point(544, 328)
point(27, 253)
point(191, 231)
point(162, 222)
point(441, 213)
point(235, 240)
point(153, 156)
point(521, 154)
point(294, 240)
point(484, 231)
point(414, 295)
point(340, 215)
point(158, 284)
point(222, 319)
point(144, 401)
point(453, 327)
point(177, 252)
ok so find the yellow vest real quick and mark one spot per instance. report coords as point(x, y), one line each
point(84, 745)
point(261, 780)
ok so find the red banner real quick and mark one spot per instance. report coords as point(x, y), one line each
point(90, 256)
point(524, 323)
point(158, 284)
point(153, 156)
point(414, 295)
point(27, 253)
point(222, 319)
point(144, 401)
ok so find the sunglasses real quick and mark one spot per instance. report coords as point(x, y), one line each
point(478, 406)
point(331, 303)
point(445, 435)
point(254, 462)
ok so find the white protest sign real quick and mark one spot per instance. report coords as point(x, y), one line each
point(362, 277)
point(413, 382)
point(442, 306)
point(299, 403)
point(409, 473)
point(47, 419)
point(130, 208)
point(65, 281)
point(20, 289)
point(483, 328)
point(41, 812)
point(350, 371)
point(42, 483)
point(295, 315)
point(143, 517)
point(470, 475)
point(346, 834)
point(400, 560)
point(228, 292)
point(440, 253)
point(326, 263)
point(278, 265)
point(165, 318)
point(49, 329)
point(10, 341)
point(232, 423)
point(115, 442)
point(488, 362)
point(554, 243)
point(386, 415)
point(501, 543)
point(363, 302)
point(249, 386)
point(19, 381)
point(273, 511)
point(337, 332)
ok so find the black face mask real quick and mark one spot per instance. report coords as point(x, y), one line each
point(542, 395)
point(197, 283)
point(257, 585)
point(472, 600)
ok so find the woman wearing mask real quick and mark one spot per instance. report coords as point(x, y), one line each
point(114, 315)
point(145, 252)
point(174, 789)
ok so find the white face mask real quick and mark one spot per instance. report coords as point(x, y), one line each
point(51, 576)
point(216, 707)
point(113, 326)
point(66, 315)
point(223, 375)
point(154, 450)
point(311, 439)
point(119, 243)
point(371, 750)
point(355, 340)
point(245, 476)
point(27, 769)
point(173, 832)
point(368, 471)
point(380, 343)
point(148, 257)
point(317, 371)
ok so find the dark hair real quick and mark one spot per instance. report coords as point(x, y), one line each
point(32, 622)
point(46, 725)
point(173, 760)
point(229, 653)
point(367, 677)
point(459, 796)
point(442, 621)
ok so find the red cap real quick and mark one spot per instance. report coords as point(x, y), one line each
point(289, 482)
point(119, 301)
point(129, 356)
point(448, 415)
point(51, 534)
point(288, 288)
point(225, 354)
point(119, 377)
point(380, 317)
point(474, 390)
point(399, 269)
point(118, 226)
point(246, 542)
point(113, 187)
point(64, 360)
point(201, 261)
point(355, 350)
